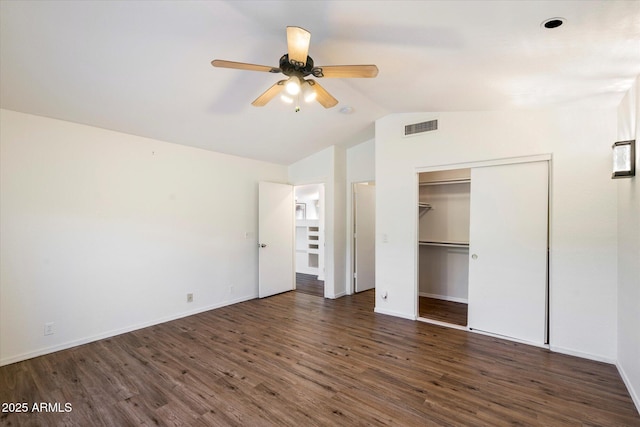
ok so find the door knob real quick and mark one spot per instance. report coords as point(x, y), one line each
point(262, 245)
point(474, 256)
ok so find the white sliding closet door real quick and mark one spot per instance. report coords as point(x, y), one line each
point(508, 250)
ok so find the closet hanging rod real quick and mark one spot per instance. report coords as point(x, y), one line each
point(444, 244)
point(447, 181)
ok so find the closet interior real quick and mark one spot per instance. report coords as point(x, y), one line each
point(443, 245)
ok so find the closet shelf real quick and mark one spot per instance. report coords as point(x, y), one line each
point(444, 244)
point(446, 181)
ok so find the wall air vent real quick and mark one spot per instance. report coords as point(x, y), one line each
point(420, 127)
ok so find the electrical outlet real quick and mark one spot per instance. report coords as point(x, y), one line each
point(48, 328)
point(189, 297)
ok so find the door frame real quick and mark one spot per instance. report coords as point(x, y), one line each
point(477, 164)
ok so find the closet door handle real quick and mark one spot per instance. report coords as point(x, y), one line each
point(474, 256)
point(262, 245)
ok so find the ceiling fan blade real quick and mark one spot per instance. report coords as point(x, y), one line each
point(346, 71)
point(298, 40)
point(269, 94)
point(244, 66)
point(322, 96)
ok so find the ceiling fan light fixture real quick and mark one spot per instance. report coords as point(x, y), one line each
point(286, 98)
point(293, 85)
point(308, 92)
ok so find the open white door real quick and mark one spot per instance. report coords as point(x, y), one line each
point(275, 239)
point(364, 239)
point(508, 250)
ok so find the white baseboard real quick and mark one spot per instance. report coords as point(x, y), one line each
point(630, 389)
point(394, 313)
point(444, 297)
point(338, 295)
point(115, 332)
point(581, 354)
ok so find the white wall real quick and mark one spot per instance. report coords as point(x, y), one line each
point(328, 167)
point(103, 232)
point(629, 250)
point(361, 163)
point(444, 273)
point(340, 223)
point(583, 219)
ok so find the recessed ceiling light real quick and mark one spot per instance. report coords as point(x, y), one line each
point(346, 110)
point(552, 23)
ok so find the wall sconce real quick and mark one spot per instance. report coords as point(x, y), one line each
point(624, 159)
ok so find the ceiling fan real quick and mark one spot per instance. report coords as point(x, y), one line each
point(297, 65)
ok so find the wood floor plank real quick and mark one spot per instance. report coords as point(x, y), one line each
point(299, 359)
point(443, 311)
point(309, 284)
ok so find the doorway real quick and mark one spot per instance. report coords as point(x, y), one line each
point(364, 231)
point(443, 245)
point(309, 238)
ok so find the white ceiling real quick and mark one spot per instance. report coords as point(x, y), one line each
point(143, 67)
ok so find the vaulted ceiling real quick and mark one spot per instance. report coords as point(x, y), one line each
point(143, 67)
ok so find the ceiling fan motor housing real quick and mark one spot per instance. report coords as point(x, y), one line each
point(298, 69)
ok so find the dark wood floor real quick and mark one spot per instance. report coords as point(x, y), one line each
point(309, 284)
point(296, 359)
point(443, 311)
